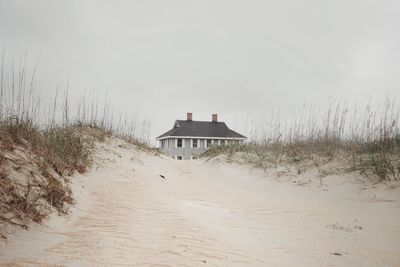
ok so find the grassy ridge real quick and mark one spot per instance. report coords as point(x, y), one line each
point(367, 143)
point(42, 146)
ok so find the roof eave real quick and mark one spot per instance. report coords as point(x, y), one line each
point(201, 137)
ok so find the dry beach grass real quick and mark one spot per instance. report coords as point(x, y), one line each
point(367, 144)
point(39, 153)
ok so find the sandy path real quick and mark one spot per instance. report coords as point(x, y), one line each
point(207, 214)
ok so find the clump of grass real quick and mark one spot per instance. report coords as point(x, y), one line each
point(143, 146)
point(18, 129)
point(67, 150)
point(229, 150)
point(379, 161)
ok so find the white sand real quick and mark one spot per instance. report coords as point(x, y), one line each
point(210, 214)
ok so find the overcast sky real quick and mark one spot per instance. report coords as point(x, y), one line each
point(234, 58)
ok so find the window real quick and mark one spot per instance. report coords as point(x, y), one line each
point(223, 142)
point(208, 143)
point(179, 157)
point(195, 144)
point(179, 143)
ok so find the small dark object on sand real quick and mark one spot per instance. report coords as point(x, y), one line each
point(337, 254)
point(162, 176)
point(204, 261)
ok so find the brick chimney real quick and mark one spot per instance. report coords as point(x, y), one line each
point(214, 117)
point(189, 116)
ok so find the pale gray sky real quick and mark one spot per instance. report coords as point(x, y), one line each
point(235, 58)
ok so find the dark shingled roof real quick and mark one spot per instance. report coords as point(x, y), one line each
point(201, 129)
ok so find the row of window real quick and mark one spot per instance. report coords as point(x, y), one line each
point(181, 157)
point(194, 143)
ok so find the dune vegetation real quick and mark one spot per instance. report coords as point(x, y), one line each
point(42, 146)
point(341, 140)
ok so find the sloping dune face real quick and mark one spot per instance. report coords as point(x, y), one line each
point(215, 214)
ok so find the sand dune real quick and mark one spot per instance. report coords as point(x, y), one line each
point(211, 214)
